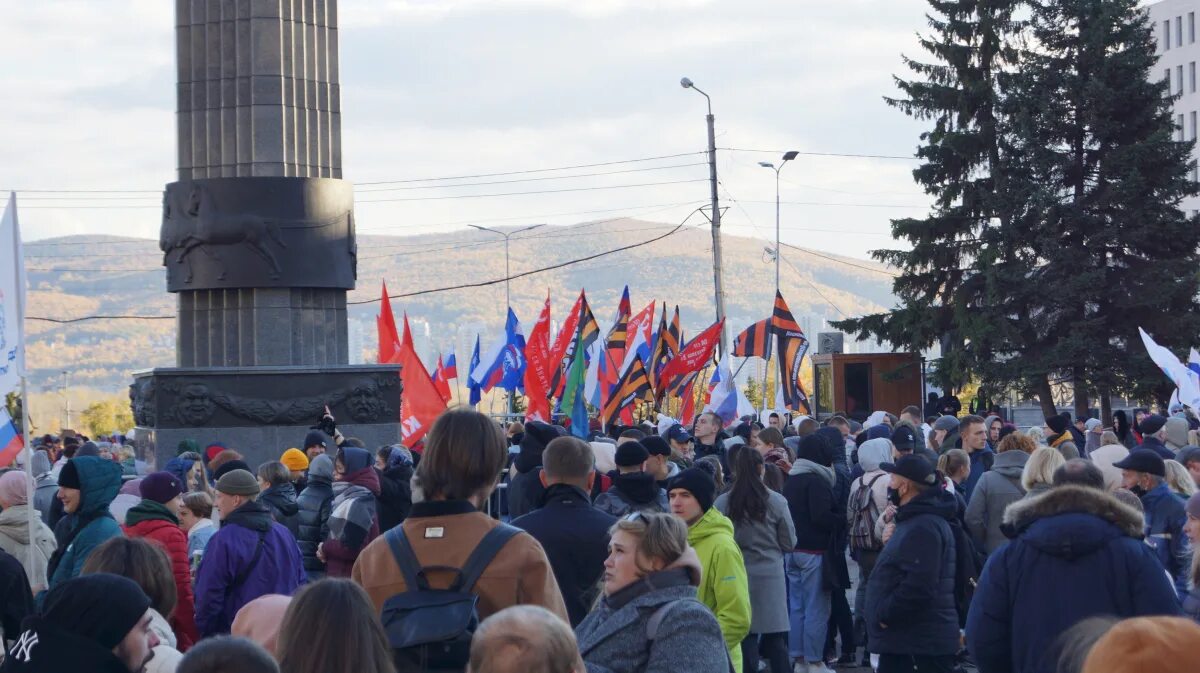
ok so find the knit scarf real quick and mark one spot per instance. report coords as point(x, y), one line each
point(351, 514)
point(149, 510)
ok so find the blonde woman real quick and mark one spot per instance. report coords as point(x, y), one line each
point(1179, 480)
point(648, 618)
point(1038, 474)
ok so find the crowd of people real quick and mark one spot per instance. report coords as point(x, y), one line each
point(923, 542)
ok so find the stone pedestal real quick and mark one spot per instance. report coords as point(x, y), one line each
point(261, 411)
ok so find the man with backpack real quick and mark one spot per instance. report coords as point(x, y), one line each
point(911, 614)
point(868, 499)
point(449, 565)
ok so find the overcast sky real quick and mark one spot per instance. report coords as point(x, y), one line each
point(451, 87)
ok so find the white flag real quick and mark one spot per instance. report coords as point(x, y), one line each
point(1183, 378)
point(12, 300)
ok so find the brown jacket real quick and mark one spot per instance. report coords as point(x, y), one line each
point(520, 573)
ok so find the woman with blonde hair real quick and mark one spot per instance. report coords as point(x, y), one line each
point(648, 618)
point(1038, 474)
point(1179, 480)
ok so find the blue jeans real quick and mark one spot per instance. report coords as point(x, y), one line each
point(808, 606)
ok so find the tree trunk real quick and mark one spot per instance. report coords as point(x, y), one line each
point(1105, 407)
point(1083, 405)
point(1045, 395)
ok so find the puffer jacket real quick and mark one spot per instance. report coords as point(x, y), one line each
point(92, 524)
point(395, 495)
point(911, 588)
point(724, 586)
point(1165, 518)
point(315, 504)
point(614, 637)
point(281, 500)
point(16, 540)
point(1078, 545)
point(153, 521)
point(997, 489)
point(629, 492)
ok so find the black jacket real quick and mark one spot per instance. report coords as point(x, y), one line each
point(281, 500)
point(911, 588)
point(395, 496)
point(525, 492)
point(16, 600)
point(575, 537)
point(810, 502)
point(313, 521)
point(629, 492)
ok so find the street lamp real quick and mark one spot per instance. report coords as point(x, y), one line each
point(507, 294)
point(718, 286)
point(788, 156)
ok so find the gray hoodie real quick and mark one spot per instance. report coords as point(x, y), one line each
point(995, 491)
point(1177, 433)
point(804, 466)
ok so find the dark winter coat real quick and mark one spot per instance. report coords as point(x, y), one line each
point(1165, 518)
point(575, 537)
point(16, 600)
point(1156, 445)
point(809, 492)
point(981, 462)
point(395, 495)
point(279, 569)
point(911, 588)
point(281, 500)
point(996, 490)
point(634, 491)
point(1079, 546)
point(153, 521)
point(313, 521)
point(92, 524)
point(837, 574)
point(525, 492)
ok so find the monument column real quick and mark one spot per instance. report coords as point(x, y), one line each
point(258, 241)
point(264, 281)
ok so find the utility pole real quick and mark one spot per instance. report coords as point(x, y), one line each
point(788, 156)
point(67, 398)
point(507, 273)
point(718, 285)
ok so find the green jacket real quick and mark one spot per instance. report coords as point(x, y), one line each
point(723, 587)
point(100, 480)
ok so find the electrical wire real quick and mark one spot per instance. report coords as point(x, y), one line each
point(540, 191)
point(549, 177)
point(534, 170)
point(847, 155)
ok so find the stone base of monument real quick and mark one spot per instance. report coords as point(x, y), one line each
point(261, 411)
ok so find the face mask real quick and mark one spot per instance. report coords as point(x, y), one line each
point(1138, 490)
point(893, 496)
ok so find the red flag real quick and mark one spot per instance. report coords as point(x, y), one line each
point(558, 352)
point(537, 368)
point(421, 402)
point(687, 412)
point(406, 340)
point(385, 326)
point(440, 382)
point(693, 356)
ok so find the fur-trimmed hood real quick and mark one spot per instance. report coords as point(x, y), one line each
point(1071, 499)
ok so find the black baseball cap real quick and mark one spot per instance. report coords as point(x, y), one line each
point(656, 446)
point(913, 467)
point(1143, 460)
point(904, 438)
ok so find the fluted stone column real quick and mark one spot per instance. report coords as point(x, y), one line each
point(258, 97)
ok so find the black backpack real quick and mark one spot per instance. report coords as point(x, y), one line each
point(968, 566)
point(430, 629)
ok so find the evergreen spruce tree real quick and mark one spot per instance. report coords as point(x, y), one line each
point(1095, 131)
point(957, 90)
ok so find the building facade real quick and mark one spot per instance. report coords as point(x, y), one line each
point(1178, 53)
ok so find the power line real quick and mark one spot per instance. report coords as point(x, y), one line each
point(534, 170)
point(550, 177)
point(66, 321)
point(542, 191)
point(841, 261)
point(847, 155)
point(528, 218)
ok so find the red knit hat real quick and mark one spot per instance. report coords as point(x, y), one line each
point(1159, 644)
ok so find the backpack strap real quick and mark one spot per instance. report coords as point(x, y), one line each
point(406, 558)
point(484, 553)
point(242, 576)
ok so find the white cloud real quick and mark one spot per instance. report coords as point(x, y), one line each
point(451, 87)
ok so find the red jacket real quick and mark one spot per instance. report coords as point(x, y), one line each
point(173, 540)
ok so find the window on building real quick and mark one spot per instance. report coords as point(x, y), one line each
point(1192, 77)
point(1179, 31)
point(1192, 124)
point(1166, 35)
point(1191, 27)
point(1179, 77)
point(1167, 79)
point(1179, 127)
point(1195, 173)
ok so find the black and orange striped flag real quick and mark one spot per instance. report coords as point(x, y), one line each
point(633, 385)
point(781, 317)
point(752, 342)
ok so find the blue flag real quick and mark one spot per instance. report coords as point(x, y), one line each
point(514, 355)
point(475, 388)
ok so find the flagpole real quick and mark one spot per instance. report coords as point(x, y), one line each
point(18, 271)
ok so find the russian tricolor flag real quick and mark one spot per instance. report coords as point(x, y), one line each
point(10, 442)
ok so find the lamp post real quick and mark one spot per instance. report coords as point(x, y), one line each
point(788, 156)
point(507, 294)
point(718, 286)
